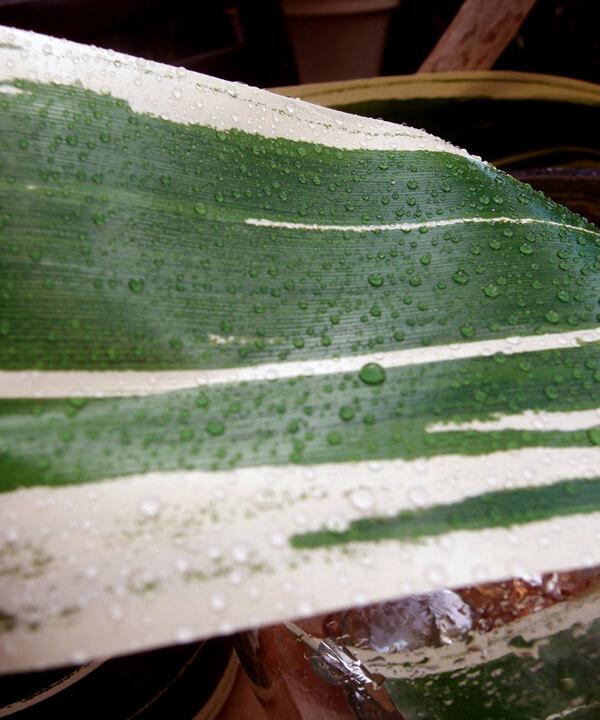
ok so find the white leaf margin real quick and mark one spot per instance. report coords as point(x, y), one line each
point(193, 98)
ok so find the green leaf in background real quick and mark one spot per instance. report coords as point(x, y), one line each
point(512, 119)
point(540, 681)
point(234, 323)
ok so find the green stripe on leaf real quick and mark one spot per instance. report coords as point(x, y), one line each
point(369, 414)
point(490, 510)
point(126, 245)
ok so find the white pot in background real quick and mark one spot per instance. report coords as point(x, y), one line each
point(338, 39)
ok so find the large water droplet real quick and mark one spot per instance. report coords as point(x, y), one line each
point(460, 277)
point(361, 499)
point(376, 280)
point(215, 428)
point(491, 291)
point(372, 374)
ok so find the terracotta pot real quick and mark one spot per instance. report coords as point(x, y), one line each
point(338, 39)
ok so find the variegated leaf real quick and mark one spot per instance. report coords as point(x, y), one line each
point(262, 359)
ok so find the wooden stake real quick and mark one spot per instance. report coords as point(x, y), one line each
point(478, 35)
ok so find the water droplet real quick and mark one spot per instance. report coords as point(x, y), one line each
point(77, 402)
point(372, 374)
point(435, 574)
point(418, 496)
point(277, 539)
point(235, 577)
point(240, 553)
point(202, 401)
point(215, 428)
point(79, 657)
point(115, 613)
point(526, 248)
point(182, 565)
point(346, 413)
point(305, 608)
point(361, 499)
point(150, 507)
point(217, 601)
point(184, 635)
point(460, 277)
point(214, 553)
point(376, 280)
point(491, 291)
point(136, 285)
point(334, 438)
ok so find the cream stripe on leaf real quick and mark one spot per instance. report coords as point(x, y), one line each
point(528, 420)
point(139, 566)
point(234, 327)
point(192, 98)
point(63, 383)
point(427, 225)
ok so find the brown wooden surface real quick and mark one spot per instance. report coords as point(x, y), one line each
point(478, 35)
